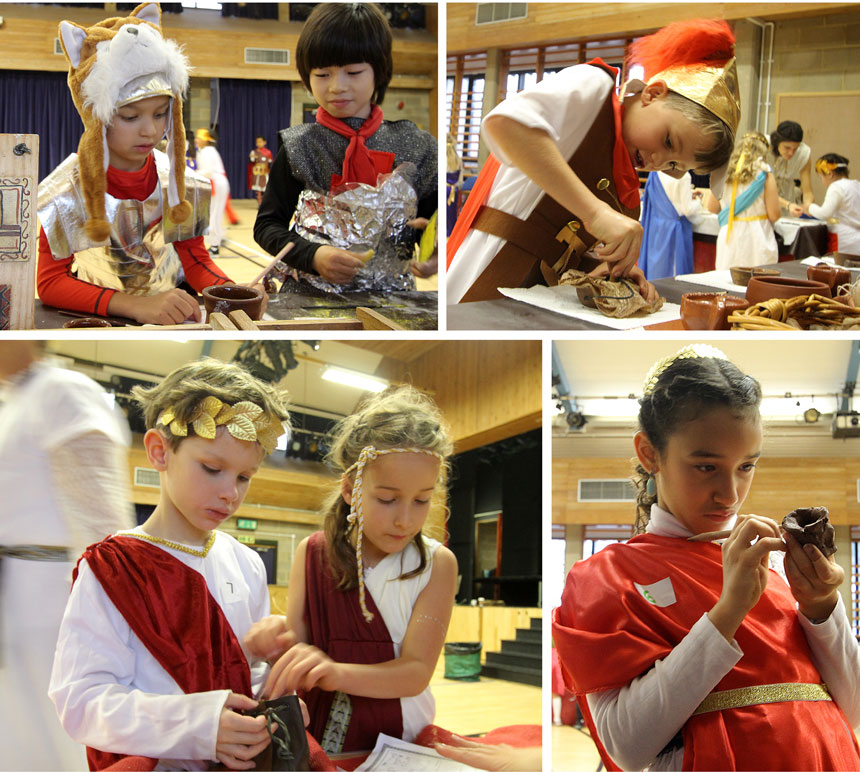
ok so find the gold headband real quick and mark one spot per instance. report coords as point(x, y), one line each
point(693, 351)
point(244, 420)
point(356, 511)
point(824, 167)
point(714, 88)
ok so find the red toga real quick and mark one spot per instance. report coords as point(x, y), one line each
point(335, 624)
point(607, 634)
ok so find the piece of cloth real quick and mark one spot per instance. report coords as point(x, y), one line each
point(786, 172)
point(308, 158)
point(752, 241)
point(667, 239)
point(336, 625)
point(643, 606)
point(360, 163)
point(45, 412)
point(841, 210)
point(112, 693)
point(57, 283)
point(565, 106)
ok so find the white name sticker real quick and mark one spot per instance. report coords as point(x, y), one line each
point(658, 594)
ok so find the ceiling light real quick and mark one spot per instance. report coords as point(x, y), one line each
point(354, 379)
point(811, 415)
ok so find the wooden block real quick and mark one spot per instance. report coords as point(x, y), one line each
point(19, 173)
point(242, 320)
point(220, 322)
point(336, 323)
point(373, 320)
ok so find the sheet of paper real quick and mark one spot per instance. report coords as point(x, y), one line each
point(720, 280)
point(393, 755)
point(563, 300)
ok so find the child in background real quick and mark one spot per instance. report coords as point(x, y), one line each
point(210, 165)
point(149, 661)
point(841, 207)
point(694, 655)
point(96, 254)
point(568, 146)
point(260, 161)
point(344, 59)
point(749, 207)
point(371, 596)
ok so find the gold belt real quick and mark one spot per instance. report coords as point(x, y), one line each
point(751, 219)
point(761, 695)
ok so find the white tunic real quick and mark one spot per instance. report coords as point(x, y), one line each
point(751, 243)
point(395, 600)
point(842, 203)
point(48, 408)
point(564, 105)
point(112, 694)
point(635, 723)
point(786, 172)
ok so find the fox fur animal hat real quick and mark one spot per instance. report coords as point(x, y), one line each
point(114, 63)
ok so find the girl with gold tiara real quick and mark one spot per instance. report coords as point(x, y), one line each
point(371, 595)
point(689, 654)
point(568, 146)
point(841, 207)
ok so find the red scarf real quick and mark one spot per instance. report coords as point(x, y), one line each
point(360, 164)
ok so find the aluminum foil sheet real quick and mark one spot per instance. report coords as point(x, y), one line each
point(361, 217)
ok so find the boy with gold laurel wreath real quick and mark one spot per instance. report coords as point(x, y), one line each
point(122, 223)
point(565, 180)
point(149, 660)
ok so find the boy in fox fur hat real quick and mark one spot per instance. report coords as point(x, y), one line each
point(123, 223)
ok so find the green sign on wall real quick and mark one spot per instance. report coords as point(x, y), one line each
point(244, 524)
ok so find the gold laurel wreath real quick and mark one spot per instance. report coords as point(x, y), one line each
point(693, 351)
point(244, 420)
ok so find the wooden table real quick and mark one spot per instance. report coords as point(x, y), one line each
point(508, 314)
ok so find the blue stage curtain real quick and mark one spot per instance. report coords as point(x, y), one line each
point(40, 103)
point(245, 109)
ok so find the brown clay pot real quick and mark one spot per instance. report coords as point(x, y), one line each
point(87, 321)
point(224, 298)
point(742, 274)
point(831, 275)
point(709, 310)
point(767, 287)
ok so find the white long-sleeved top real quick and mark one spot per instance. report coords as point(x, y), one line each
point(112, 694)
point(636, 722)
point(842, 204)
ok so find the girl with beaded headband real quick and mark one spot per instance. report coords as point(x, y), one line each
point(149, 660)
point(685, 653)
point(841, 207)
point(371, 596)
point(749, 207)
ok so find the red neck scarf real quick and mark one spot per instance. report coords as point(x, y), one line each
point(360, 164)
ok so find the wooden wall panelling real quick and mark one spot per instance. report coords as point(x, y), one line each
point(553, 22)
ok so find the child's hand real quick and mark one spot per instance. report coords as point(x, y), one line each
point(269, 638)
point(795, 210)
point(171, 307)
point(493, 757)
point(621, 236)
point(814, 579)
point(745, 570)
point(302, 667)
point(337, 265)
point(240, 738)
point(426, 269)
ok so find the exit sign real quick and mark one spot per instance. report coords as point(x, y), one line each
point(246, 538)
point(246, 525)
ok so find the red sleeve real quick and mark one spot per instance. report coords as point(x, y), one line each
point(200, 270)
point(58, 286)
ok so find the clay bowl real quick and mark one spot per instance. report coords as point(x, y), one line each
point(224, 298)
point(767, 287)
point(833, 276)
point(741, 274)
point(849, 261)
point(87, 321)
point(709, 310)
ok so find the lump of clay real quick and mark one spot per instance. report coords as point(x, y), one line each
point(810, 525)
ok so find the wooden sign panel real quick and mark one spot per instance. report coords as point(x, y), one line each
point(19, 171)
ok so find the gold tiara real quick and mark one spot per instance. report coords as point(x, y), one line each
point(823, 167)
point(244, 420)
point(693, 351)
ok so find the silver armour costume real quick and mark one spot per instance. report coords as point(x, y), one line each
point(139, 257)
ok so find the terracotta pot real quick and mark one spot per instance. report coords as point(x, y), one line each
point(831, 275)
point(709, 310)
point(224, 298)
point(767, 287)
point(742, 274)
point(87, 321)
